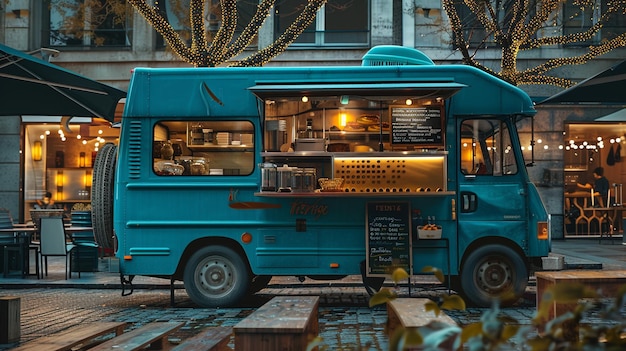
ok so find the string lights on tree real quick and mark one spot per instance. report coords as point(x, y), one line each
point(520, 25)
point(222, 47)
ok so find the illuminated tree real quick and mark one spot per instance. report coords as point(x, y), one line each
point(223, 46)
point(210, 39)
point(521, 25)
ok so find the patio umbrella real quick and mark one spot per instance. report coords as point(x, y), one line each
point(607, 87)
point(31, 86)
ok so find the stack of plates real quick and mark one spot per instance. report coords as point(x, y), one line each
point(223, 138)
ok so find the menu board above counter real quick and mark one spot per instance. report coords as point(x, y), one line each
point(421, 126)
point(388, 238)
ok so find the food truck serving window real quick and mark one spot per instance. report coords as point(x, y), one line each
point(203, 148)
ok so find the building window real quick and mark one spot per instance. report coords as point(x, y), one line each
point(338, 23)
point(177, 14)
point(475, 32)
point(580, 17)
point(79, 23)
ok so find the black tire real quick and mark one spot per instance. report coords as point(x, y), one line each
point(216, 276)
point(493, 272)
point(102, 195)
point(258, 283)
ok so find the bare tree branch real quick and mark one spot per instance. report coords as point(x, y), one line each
point(289, 35)
point(518, 28)
point(224, 34)
point(158, 22)
point(251, 31)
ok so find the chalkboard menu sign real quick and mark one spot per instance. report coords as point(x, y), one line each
point(388, 238)
point(417, 125)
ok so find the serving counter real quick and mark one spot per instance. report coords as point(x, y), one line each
point(368, 173)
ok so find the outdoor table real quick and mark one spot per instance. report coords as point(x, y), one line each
point(23, 237)
point(21, 240)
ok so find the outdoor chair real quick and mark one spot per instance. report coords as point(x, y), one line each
point(55, 242)
point(13, 247)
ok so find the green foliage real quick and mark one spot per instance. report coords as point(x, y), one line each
point(496, 332)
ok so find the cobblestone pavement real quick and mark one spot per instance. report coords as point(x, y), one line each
point(346, 322)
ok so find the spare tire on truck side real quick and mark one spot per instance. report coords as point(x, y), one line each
point(102, 195)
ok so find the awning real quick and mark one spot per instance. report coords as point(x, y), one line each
point(31, 86)
point(413, 89)
point(607, 87)
point(617, 116)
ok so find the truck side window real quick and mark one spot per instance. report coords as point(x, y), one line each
point(203, 148)
point(486, 148)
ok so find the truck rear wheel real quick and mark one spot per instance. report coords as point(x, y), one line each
point(493, 272)
point(216, 276)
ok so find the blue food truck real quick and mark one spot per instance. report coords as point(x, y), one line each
point(226, 177)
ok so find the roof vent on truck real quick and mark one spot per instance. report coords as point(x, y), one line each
point(393, 55)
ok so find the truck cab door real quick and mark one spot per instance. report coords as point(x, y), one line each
point(492, 188)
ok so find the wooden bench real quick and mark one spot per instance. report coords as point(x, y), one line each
point(152, 334)
point(70, 338)
point(411, 313)
point(286, 323)
point(605, 282)
point(210, 339)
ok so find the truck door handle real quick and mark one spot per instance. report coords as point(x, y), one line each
point(469, 202)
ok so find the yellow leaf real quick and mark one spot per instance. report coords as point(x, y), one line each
point(399, 274)
point(428, 269)
point(453, 302)
point(396, 340)
point(432, 306)
point(384, 295)
point(314, 343)
point(470, 331)
point(509, 331)
point(413, 338)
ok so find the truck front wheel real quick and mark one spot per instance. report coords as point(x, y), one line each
point(216, 276)
point(493, 272)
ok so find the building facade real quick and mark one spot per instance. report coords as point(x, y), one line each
point(107, 51)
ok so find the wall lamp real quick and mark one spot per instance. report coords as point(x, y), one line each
point(37, 150)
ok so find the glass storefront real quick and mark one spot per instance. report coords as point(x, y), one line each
point(58, 160)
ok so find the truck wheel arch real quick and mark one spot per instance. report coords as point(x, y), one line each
point(204, 242)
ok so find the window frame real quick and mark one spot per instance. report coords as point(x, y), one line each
point(319, 31)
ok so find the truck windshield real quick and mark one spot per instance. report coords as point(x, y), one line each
point(203, 148)
point(486, 148)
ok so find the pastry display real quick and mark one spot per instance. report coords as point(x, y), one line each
point(354, 127)
point(376, 127)
point(368, 120)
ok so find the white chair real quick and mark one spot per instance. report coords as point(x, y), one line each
point(54, 242)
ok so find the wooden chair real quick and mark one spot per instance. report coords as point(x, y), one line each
point(54, 242)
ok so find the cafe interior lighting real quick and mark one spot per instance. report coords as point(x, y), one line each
point(343, 120)
point(37, 150)
point(408, 102)
point(305, 99)
point(81, 160)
